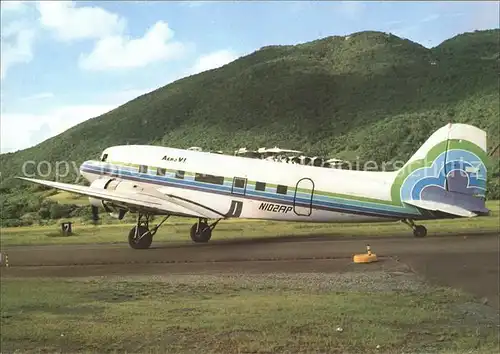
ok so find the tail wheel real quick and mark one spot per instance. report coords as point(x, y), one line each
point(201, 232)
point(143, 240)
point(420, 231)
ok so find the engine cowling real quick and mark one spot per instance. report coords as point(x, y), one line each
point(108, 184)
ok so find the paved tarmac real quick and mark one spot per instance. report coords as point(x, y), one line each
point(470, 263)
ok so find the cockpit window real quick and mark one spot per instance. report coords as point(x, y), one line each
point(104, 157)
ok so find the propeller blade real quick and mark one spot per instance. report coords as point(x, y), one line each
point(95, 214)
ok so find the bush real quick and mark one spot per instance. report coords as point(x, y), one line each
point(16, 222)
point(58, 211)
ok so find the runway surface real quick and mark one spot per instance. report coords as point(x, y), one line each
point(468, 262)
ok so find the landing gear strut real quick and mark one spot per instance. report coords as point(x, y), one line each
point(202, 231)
point(418, 230)
point(140, 236)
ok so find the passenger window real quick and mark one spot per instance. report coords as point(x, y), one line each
point(161, 171)
point(281, 189)
point(179, 174)
point(260, 186)
point(104, 157)
point(209, 178)
point(239, 182)
point(143, 169)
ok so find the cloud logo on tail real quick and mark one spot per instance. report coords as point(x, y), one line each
point(457, 171)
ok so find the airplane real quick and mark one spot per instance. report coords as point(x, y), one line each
point(445, 178)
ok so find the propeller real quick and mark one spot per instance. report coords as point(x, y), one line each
point(95, 214)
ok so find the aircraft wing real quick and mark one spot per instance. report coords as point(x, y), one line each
point(155, 204)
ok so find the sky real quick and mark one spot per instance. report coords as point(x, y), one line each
point(65, 62)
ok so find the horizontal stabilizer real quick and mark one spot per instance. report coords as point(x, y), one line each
point(442, 207)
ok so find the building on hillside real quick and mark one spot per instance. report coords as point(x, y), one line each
point(289, 156)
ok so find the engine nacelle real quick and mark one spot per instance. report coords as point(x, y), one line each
point(101, 183)
point(96, 202)
point(108, 184)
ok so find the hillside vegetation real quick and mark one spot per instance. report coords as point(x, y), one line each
point(369, 95)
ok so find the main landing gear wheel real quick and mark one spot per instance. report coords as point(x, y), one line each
point(141, 239)
point(418, 230)
point(140, 236)
point(202, 231)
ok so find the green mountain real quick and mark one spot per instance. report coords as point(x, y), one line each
point(370, 95)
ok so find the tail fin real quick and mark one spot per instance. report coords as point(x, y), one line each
point(447, 173)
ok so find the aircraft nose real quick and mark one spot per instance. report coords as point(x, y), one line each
point(84, 165)
point(87, 170)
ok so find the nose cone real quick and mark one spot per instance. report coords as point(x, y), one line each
point(88, 170)
point(85, 166)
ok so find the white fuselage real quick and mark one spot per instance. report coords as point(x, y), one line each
point(253, 188)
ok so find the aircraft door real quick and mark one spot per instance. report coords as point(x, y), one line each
point(239, 185)
point(303, 197)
